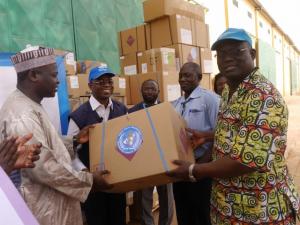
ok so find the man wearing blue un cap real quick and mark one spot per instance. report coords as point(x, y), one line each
point(100, 207)
point(251, 180)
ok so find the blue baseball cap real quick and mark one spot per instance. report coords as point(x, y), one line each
point(233, 34)
point(99, 71)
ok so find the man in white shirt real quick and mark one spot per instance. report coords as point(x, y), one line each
point(100, 208)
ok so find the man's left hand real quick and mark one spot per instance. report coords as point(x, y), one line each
point(182, 171)
point(83, 135)
point(27, 154)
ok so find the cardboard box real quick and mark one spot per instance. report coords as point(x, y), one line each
point(148, 36)
point(78, 85)
point(133, 40)
point(127, 89)
point(119, 86)
point(84, 85)
point(170, 30)
point(69, 60)
point(168, 85)
point(141, 37)
point(206, 62)
point(156, 60)
point(206, 81)
point(85, 66)
point(84, 99)
point(121, 99)
point(74, 103)
point(154, 9)
point(201, 33)
point(184, 54)
point(128, 41)
point(129, 64)
point(73, 86)
point(142, 60)
point(124, 146)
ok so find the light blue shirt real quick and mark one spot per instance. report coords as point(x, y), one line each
point(200, 111)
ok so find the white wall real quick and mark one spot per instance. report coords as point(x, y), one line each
point(264, 30)
point(241, 15)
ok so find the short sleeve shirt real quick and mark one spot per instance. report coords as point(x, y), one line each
point(252, 129)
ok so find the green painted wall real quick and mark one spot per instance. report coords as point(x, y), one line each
point(87, 27)
point(267, 60)
point(295, 78)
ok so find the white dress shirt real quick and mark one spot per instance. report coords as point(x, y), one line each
point(74, 129)
point(96, 106)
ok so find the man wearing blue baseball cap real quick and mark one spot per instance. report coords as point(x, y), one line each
point(100, 207)
point(251, 180)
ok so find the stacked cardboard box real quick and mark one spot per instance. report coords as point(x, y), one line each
point(174, 24)
point(69, 60)
point(157, 64)
point(78, 87)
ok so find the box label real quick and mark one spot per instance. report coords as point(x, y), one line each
point(186, 36)
point(194, 53)
point(173, 92)
point(130, 70)
point(208, 66)
point(165, 58)
point(70, 60)
point(74, 83)
point(144, 68)
point(122, 83)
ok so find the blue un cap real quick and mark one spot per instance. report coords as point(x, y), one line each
point(233, 34)
point(99, 71)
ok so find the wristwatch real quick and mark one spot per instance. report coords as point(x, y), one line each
point(191, 176)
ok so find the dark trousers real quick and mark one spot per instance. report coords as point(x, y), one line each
point(102, 208)
point(192, 202)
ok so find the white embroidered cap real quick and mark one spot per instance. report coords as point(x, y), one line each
point(32, 57)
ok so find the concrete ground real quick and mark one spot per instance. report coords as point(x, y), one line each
point(293, 146)
point(293, 143)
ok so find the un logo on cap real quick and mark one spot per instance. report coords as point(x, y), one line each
point(102, 66)
point(129, 140)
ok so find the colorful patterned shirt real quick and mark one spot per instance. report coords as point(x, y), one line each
point(252, 129)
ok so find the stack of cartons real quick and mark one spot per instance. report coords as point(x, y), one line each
point(175, 24)
point(69, 60)
point(73, 81)
point(78, 82)
point(181, 25)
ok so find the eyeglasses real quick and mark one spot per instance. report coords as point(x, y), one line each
point(103, 82)
point(234, 53)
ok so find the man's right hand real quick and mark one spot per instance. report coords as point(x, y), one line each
point(198, 138)
point(99, 182)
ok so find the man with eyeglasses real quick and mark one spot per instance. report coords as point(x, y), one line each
point(251, 180)
point(100, 208)
point(199, 107)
